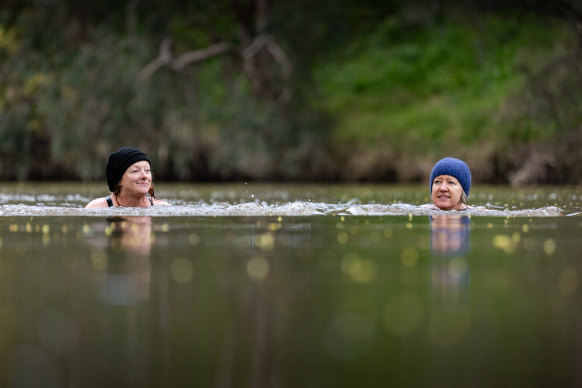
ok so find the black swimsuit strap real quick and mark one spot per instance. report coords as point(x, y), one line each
point(110, 201)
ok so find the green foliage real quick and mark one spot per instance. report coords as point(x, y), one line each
point(379, 90)
point(442, 89)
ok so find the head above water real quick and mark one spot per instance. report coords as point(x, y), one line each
point(119, 161)
point(455, 168)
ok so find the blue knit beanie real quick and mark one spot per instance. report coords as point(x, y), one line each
point(453, 167)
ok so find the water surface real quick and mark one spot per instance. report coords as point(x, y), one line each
point(286, 286)
point(259, 199)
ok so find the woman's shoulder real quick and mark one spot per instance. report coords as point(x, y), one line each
point(99, 202)
point(159, 202)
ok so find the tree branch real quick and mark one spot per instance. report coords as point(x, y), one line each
point(162, 60)
point(201, 55)
point(250, 67)
point(166, 57)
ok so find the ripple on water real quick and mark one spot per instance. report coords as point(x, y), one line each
point(405, 209)
point(297, 208)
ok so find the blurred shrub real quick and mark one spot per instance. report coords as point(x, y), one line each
point(414, 92)
point(379, 91)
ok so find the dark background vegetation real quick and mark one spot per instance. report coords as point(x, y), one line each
point(267, 90)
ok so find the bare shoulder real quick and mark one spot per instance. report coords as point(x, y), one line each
point(159, 202)
point(99, 202)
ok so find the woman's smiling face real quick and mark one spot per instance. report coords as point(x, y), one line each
point(137, 179)
point(447, 193)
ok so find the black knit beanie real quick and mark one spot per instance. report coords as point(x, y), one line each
point(119, 161)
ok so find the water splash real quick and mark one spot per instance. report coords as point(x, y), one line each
point(296, 208)
point(289, 200)
point(405, 209)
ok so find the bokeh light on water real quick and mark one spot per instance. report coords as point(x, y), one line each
point(395, 294)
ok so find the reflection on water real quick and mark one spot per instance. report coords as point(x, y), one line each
point(131, 234)
point(125, 280)
point(405, 299)
point(450, 278)
point(450, 234)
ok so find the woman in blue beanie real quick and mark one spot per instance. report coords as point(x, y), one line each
point(129, 177)
point(450, 183)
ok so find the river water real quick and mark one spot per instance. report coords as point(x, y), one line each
point(290, 286)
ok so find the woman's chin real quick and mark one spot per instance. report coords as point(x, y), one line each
point(450, 206)
point(142, 189)
point(444, 206)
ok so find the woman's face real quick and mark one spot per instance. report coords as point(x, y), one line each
point(137, 179)
point(447, 193)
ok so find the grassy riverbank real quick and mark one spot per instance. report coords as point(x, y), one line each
point(343, 92)
point(407, 94)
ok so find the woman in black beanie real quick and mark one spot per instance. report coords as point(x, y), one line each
point(129, 178)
